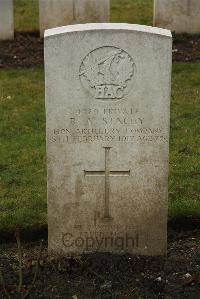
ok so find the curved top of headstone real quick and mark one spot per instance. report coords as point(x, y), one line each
point(106, 26)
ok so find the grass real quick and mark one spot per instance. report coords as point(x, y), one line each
point(185, 145)
point(26, 13)
point(22, 157)
point(132, 11)
point(22, 152)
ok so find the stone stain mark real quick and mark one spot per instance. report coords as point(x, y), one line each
point(107, 173)
point(74, 10)
point(89, 8)
point(96, 216)
point(188, 8)
point(78, 190)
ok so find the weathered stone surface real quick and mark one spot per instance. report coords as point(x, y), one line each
point(54, 13)
point(181, 16)
point(6, 20)
point(107, 113)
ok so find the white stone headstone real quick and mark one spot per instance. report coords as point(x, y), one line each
point(107, 121)
point(181, 16)
point(54, 13)
point(6, 20)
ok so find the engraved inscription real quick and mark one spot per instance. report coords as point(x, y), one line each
point(106, 73)
point(107, 125)
point(125, 135)
point(107, 173)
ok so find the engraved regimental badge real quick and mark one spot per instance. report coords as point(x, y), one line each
point(107, 73)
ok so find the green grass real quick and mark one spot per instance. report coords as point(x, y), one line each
point(22, 151)
point(26, 13)
point(185, 144)
point(132, 11)
point(22, 157)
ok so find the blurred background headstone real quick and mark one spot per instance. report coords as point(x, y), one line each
point(55, 13)
point(6, 20)
point(181, 16)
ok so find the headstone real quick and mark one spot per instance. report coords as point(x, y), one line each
point(6, 20)
point(107, 121)
point(91, 11)
point(54, 13)
point(181, 16)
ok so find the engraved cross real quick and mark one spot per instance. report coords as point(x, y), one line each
point(107, 173)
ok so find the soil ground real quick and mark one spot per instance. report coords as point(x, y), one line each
point(100, 276)
point(27, 50)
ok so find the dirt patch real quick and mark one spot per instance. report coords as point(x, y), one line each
point(109, 276)
point(186, 48)
point(27, 50)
